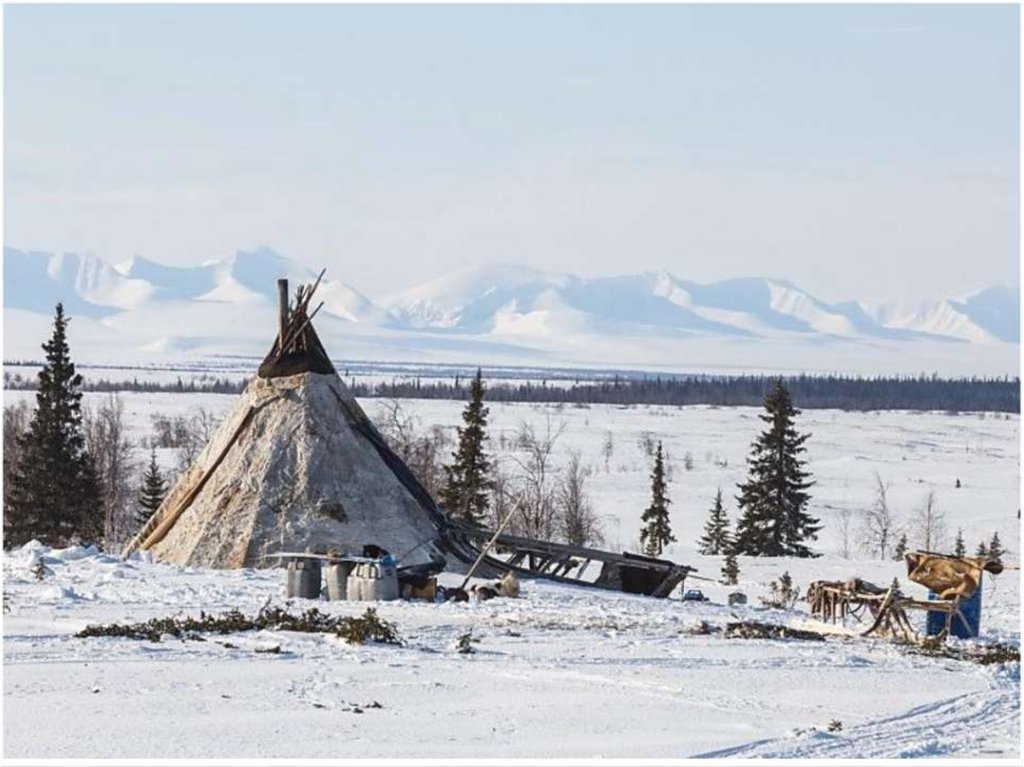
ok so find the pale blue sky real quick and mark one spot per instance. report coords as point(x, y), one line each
point(859, 151)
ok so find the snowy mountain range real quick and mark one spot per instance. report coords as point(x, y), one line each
point(505, 313)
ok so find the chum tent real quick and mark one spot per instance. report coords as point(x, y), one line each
point(295, 466)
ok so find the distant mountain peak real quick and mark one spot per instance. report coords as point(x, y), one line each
point(499, 303)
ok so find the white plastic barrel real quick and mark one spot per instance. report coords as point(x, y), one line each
point(302, 579)
point(372, 581)
point(337, 575)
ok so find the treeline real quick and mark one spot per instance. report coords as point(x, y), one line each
point(16, 381)
point(999, 395)
point(808, 392)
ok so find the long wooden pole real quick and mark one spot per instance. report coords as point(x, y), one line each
point(483, 551)
point(167, 522)
point(282, 311)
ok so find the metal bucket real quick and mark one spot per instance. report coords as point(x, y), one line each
point(302, 579)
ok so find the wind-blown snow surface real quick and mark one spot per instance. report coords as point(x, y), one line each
point(503, 315)
point(561, 672)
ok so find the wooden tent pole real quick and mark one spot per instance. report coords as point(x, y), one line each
point(282, 311)
point(485, 549)
point(168, 522)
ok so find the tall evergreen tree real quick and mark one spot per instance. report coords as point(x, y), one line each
point(774, 521)
point(54, 493)
point(716, 539)
point(657, 532)
point(153, 492)
point(995, 547)
point(468, 477)
point(959, 548)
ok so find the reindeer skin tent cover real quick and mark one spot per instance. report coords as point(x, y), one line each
point(295, 466)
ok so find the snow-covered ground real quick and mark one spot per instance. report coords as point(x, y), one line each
point(562, 672)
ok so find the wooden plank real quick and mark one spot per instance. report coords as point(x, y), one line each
point(282, 312)
point(296, 332)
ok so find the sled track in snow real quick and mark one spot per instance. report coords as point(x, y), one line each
point(975, 725)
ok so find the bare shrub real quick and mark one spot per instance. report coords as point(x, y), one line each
point(647, 444)
point(930, 524)
point(578, 523)
point(106, 440)
point(844, 530)
point(188, 434)
point(535, 478)
point(504, 496)
point(422, 450)
point(879, 529)
point(607, 450)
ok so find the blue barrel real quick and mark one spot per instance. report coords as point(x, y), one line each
point(971, 609)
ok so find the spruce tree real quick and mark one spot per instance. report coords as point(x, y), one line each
point(901, 548)
point(54, 492)
point(657, 533)
point(716, 539)
point(995, 547)
point(153, 492)
point(468, 478)
point(773, 501)
point(730, 569)
point(959, 548)
point(982, 550)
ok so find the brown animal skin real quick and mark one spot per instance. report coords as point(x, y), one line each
point(949, 577)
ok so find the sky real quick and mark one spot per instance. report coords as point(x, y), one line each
point(858, 151)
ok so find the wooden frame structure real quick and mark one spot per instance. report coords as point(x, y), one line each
point(564, 563)
point(834, 601)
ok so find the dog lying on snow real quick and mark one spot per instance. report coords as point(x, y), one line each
point(508, 586)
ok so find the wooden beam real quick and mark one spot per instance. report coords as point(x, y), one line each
point(282, 312)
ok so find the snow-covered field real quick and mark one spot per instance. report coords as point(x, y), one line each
point(561, 672)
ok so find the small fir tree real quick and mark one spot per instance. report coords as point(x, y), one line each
point(773, 501)
point(900, 548)
point(154, 490)
point(730, 569)
point(54, 494)
point(995, 547)
point(468, 477)
point(959, 548)
point(982, 550)
point(783, 593)
point(716, 539)
point(657, 532)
